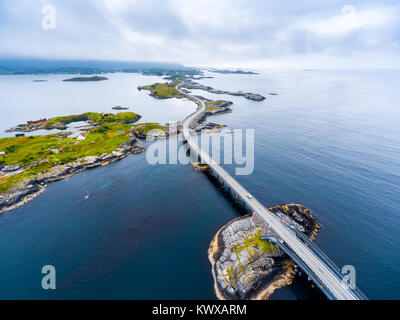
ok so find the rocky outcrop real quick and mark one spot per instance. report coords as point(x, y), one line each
point(246, 267)
point(232, 71)
point(28, 189)
point(36, 126)
point(10, 169)
point(218, 107)
point(60, 123)
point(189, 84)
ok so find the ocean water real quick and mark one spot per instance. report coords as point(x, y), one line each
point(22, 99)
point(328, 140)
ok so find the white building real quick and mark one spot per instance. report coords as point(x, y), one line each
point(81, 137)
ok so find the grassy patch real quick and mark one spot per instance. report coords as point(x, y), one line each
point(93, 118)
point(212, 108)
point(164, 90)
point(146, 127)
point(35, 152)
point(215, 102)
point(253, 241)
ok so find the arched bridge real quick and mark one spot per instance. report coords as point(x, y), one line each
point(312, 260)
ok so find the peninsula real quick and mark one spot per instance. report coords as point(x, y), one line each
point(232, 71)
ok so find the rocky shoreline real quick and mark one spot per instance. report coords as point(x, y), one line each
point(28, 189)
point(36, 126)
point(62, 124)
point(245, 267)
point(189, 84)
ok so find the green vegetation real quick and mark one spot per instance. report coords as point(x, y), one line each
point(253, 241)
point(93, 118)
point(250, 244)
point(37, 154)
point(120, 108)
point(215, 105)
point(142, 129)
point(215, 102)
point(164, 90)
point(212, 108)
point(122, 117)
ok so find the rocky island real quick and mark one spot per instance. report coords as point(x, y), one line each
point(60, 123)
point(185, 83)
point(246, 267)
point(189, 84)
point(28, 164)
point(120, 108)
point(83, 79)
point(231, 71)
point(163, 90)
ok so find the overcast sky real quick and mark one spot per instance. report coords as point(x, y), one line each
point(226, 33)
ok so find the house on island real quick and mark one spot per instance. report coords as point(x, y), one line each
point(37, 121)
point(105, 114)
point(81, 137)
point(2, 153)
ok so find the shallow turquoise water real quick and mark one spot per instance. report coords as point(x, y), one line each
point(329, 140)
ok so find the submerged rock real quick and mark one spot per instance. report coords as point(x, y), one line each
point(246, 267)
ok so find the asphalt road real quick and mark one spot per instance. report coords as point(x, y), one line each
point(335, 285)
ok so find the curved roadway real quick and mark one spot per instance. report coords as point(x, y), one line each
point(332, 282)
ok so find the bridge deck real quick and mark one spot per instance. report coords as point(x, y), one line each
point(329, 280)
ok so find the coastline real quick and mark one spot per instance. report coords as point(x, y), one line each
point(29, 189)
point(241, 269)
point(215, 250)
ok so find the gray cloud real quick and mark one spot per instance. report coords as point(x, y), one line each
point(200, 32)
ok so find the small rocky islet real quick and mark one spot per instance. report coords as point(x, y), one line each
point(191, 85)
point(86, 79)
point(246, 267)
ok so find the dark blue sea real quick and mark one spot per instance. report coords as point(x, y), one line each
point(328, 140)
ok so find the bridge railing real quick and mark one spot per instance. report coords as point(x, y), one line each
point(303, 266)
point(241, 192)
point(326, 260)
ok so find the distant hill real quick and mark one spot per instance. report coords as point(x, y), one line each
point(42, 66)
